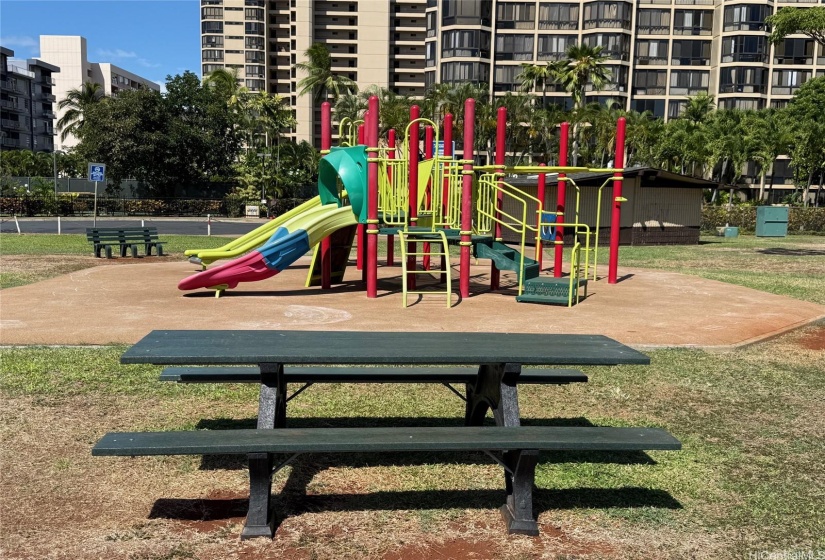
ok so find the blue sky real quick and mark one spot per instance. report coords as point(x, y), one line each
point(152, 38)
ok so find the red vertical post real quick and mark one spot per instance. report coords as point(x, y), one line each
point(391, 140)
point(616, 216)
point(560, 198)
point(326, 246)
point(467, 197)
point(445, 194)
point(541, 195)
point(501, 143)
point(428, 154)
point(415, 113)
point(372, 199)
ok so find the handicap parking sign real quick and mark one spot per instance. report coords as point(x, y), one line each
point(97, 172)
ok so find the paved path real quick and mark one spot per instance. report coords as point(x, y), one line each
point(122, 301)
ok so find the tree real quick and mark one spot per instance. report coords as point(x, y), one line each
point(320, 80)
point(806, 121)
point(76, 102)
point(790, 20)
point(534, 76)
point(698, 108)
point(767, 137)
point(583, 65)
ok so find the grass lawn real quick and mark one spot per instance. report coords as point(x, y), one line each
point(750, 479)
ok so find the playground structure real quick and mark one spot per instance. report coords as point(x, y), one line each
point(367, 189)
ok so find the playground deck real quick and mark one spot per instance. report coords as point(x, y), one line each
point(121, 303)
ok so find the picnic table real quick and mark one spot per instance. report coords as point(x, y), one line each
point(497, 361)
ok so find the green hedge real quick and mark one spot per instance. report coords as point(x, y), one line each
point(800, 220)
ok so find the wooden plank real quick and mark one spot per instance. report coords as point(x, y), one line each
point(227, 347)
point(322, 374)
point(344, 440)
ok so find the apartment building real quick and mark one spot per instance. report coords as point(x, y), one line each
point(378, 42)
point(70, 53)
point(26, 103)
point(660, 51)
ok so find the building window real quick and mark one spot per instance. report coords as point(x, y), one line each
point(254, 3)
point(254, 43)
point(650, 82)
point(746, 17)
point(794, 51)
point(211, 54)
point(607, 14)
point(465, 43)
point(743, 104)
point(255, 29)
point(558, 16)
point(207, 68)
point(212, 41)
point(215, 27)
point(554, 47)
point(651, 52)
point(476, 72)
point(466, 12)
point(743, 80)
point(254, 71)
point(787, 82)
point(687, 52)
point(256, 85)
point(688, 82)
point(655, 106)
point(430, 54)
point(253, 14)
point(255, 56)
point(745, 48)
point(505, 78)
point(614, 45)
point(432, 22)
point(653, 22)
point(693, 22)
point(211, 13)
point(516, 16)
point(514, 47)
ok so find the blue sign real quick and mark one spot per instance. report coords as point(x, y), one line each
point(97, 172)
point(438, 149)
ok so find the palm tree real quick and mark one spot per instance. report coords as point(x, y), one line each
point(699, 107)
point(320, 80)
point(75, 104)
point(533, 76)
point(583, 65)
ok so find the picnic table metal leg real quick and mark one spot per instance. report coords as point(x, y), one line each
point(519, 478)
point(272, 400)
point(496, 388)
point(259, 519)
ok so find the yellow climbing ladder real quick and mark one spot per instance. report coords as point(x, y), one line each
point(434, 239)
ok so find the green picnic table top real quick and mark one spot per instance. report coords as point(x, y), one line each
point(216, 347)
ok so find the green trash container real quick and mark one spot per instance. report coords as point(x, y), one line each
point(771, 221)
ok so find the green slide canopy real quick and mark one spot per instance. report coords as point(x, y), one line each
point(349, 164)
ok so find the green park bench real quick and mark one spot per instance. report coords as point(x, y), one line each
point(126, 239)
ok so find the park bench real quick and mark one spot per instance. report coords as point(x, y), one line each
point(519, 448)
point(126, 238)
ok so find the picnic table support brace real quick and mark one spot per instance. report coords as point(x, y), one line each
point(259, 520)
point(495, 388)
point(519, 477)
point(272, 401)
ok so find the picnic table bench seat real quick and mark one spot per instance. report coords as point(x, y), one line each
point(126, 239)
point(519, 448)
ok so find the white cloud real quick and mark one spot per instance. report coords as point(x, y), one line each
point(162, 85)
point(147, 64)
point(21, 42)
point(117, 53)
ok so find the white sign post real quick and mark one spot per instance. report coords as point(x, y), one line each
point(97, 172)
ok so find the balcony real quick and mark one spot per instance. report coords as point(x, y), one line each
point(651, 60)
point(515, 24)
point(653, 29)
point(11, 125)
point(11, 142)
point(694, 2)
point(13, 107)
point(800, 60)
point(48, 114)
point(47, 97)
point(690, 61)
point(743, 88)
point(692, 30)
point(785, 90)
point(9, 85)
point(688, 90)
point(649, 90)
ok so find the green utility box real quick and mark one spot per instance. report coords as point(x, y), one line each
point(771, 221)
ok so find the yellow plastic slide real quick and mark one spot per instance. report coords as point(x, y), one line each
point(251, 240)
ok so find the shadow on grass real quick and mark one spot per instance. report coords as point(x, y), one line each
point(291, 503)
point(781, 251)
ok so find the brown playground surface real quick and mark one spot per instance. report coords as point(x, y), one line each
point(122, 300)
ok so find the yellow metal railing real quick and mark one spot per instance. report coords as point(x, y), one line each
point(348, 132)
point(431, 239)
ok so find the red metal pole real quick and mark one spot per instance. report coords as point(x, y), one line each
point(501, 140)
point(467, 197)
point(542, 193)
point(428, 154)
point(372, 200)
point(391, 238)
point(560, 199)
point(415, 113)
point(616, 216)
point(326, 247)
